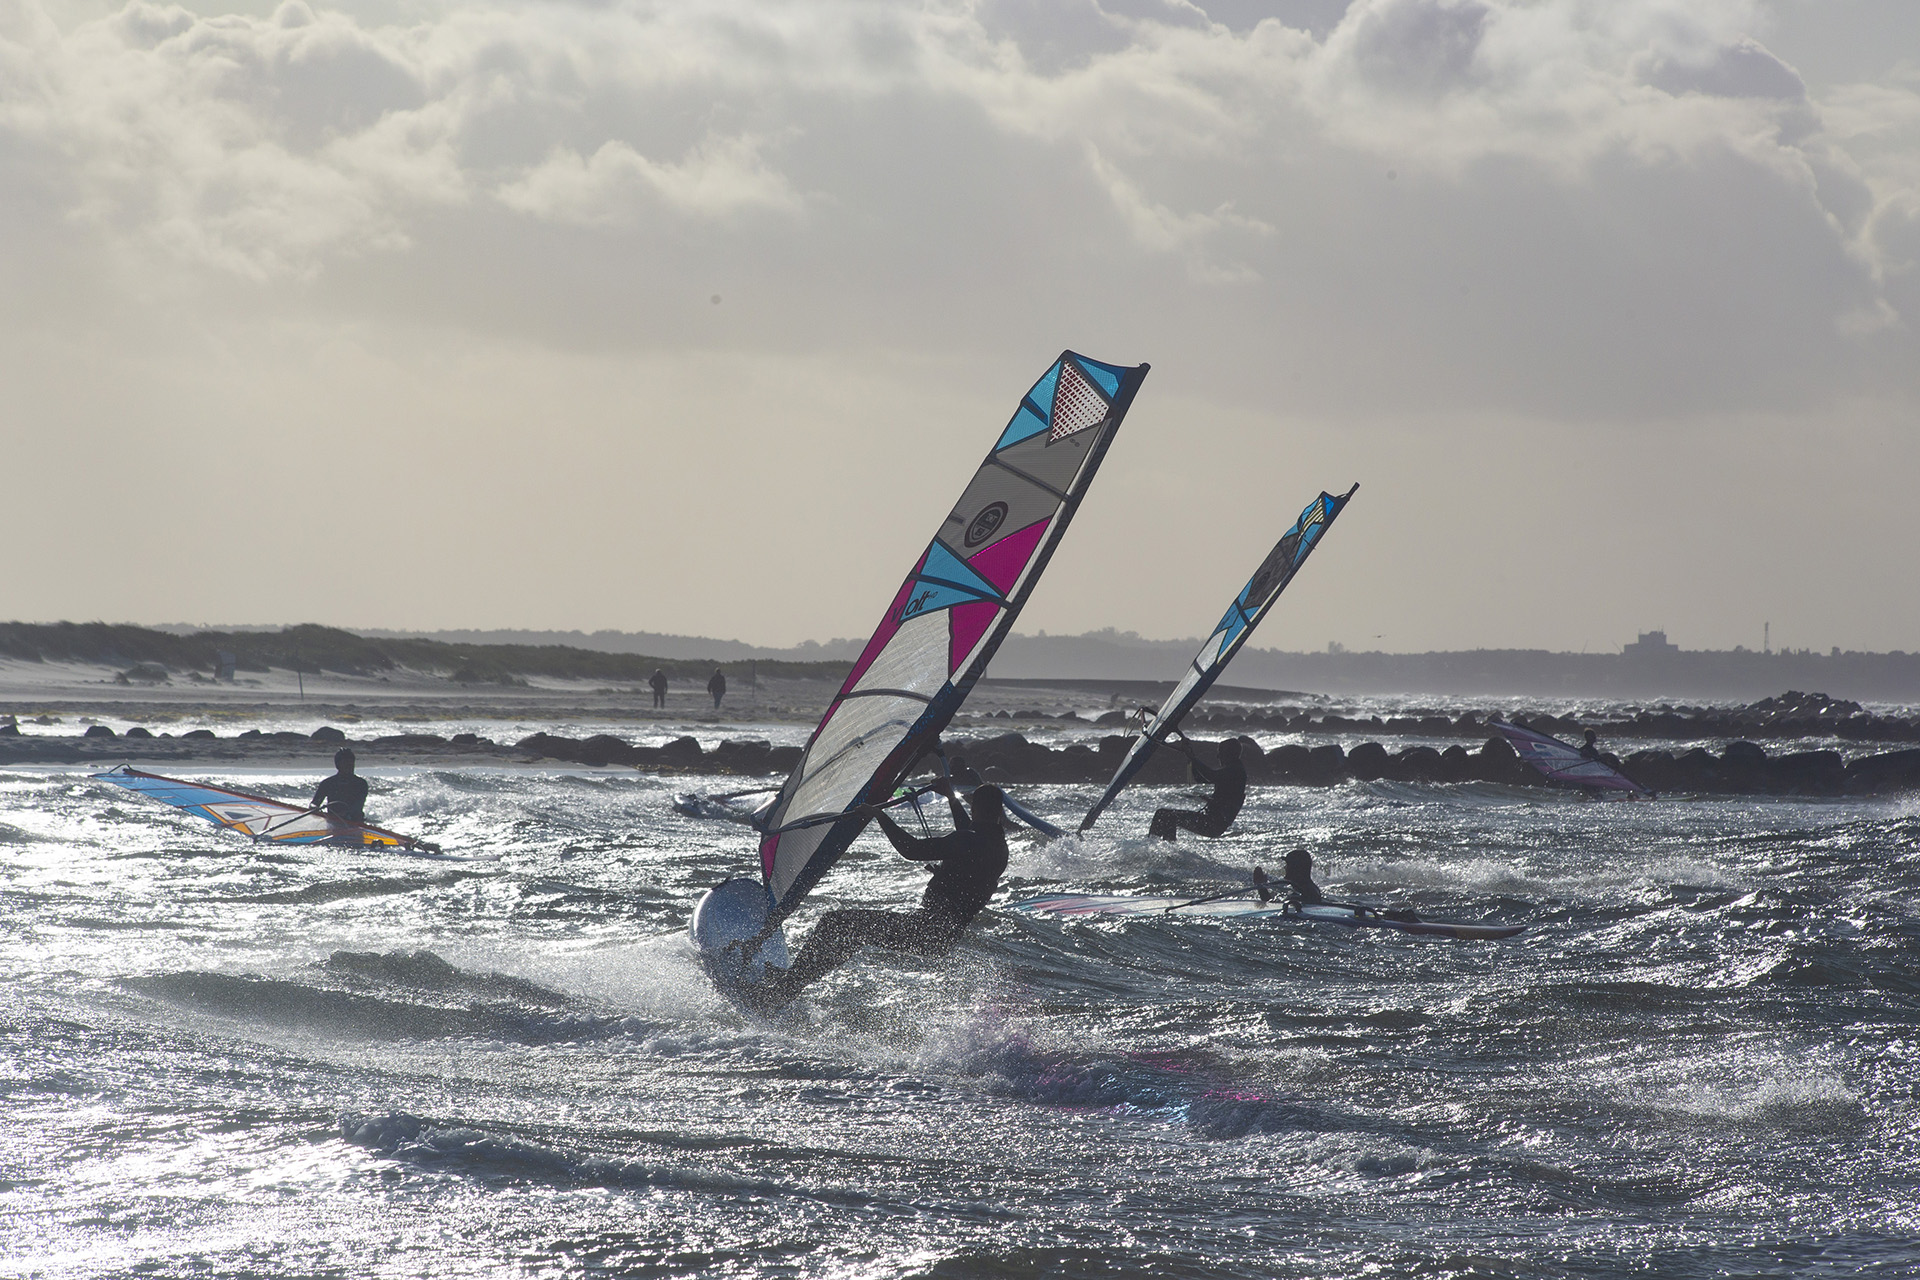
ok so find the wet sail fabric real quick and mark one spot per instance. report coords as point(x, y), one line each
point(257, 816)
point(947, 619)
point(1562, 762)
point(1235, 627)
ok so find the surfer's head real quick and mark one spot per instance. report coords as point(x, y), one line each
point(1230, 750)
point(1590, 737)
point(1299, 864)
point(987, 809)
point(343, 760)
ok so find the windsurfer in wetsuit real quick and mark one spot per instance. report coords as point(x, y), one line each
point(344, 795)
point(1591, 749)
point(970, 861)
point(1223, 806)
point(1298, 877)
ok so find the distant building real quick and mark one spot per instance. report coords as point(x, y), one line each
point(1651, 644)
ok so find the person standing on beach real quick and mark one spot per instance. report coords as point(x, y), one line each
point(343, 797)
point(717, 686)
point(658, 683)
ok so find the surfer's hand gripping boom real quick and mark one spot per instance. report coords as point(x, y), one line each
point(822, 819)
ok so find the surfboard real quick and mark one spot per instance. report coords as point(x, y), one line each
point(734, 912)
point(1242, 905)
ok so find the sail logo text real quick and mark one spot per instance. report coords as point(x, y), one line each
point(991, 517)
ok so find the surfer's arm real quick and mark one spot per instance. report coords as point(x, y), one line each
point(962, 821)
point(921, 849)
point(906, 845)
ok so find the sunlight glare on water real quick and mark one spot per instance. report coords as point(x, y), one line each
point(1698, 1061)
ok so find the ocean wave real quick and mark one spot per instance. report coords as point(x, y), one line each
point(346, 890)
point(483, 1153)
point(298, 1006)
point(479, 1152)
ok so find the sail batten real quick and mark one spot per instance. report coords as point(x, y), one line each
point(945, 622)
point(1233, 630)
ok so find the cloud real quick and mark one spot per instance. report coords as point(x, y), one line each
point(719, 178)
point(1379, 218)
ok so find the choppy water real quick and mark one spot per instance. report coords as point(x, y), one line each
point(1701, 1060)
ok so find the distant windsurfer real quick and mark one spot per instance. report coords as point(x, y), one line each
point(971, 859)
point(1229, 781)
point(1590, 750)
point(343, 797)
point(658, 683)
point(717, 686)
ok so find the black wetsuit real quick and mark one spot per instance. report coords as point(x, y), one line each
point(1303, 887)
point(1223, 806)
point(971, 861)
point(344, 795)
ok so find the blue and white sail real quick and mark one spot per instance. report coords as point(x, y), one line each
point(1253, 603)
point(1564, 763)
point(257, 817)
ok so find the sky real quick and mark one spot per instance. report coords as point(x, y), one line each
point(693, 316)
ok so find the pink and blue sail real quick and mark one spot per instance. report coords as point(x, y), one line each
point(1235, 627)
point(947, 619)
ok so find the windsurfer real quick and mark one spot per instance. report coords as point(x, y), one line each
point(971, 859)
point(658, 683)
point(1299, 877)
point(1590, 750)
point(344, 795)
point(717, 686)
point(1229, 781)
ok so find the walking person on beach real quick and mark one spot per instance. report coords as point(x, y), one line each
point(717, 686)
point(658, 683)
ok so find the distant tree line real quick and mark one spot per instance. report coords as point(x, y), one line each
point(312, 648)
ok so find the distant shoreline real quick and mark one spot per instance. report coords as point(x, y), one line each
point(1648, 671)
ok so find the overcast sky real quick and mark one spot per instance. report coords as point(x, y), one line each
point(694, 315)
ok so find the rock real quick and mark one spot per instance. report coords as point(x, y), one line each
point(408, 740)
point(1890, 771)
point(1369, 762)
point(99, 731)
point(198, 733)
point(327, 733)
point(683, 751)
point(1743, 753)
point(1416, 764)
point(138, 732)
point(1808, 773)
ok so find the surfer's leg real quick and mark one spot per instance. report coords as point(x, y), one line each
point(1168, 822)
point(834, 941)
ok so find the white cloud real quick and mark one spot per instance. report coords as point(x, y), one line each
point(1588, 214)
point(718, 178)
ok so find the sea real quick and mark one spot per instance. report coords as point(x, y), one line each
point(1701, 1059)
